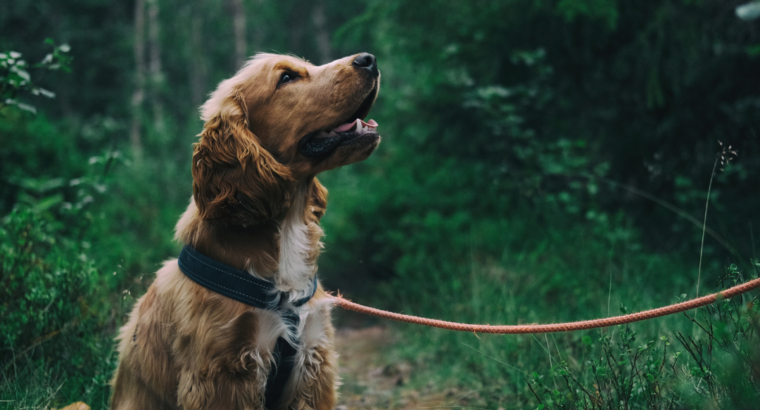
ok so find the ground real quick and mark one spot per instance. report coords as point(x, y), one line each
point(372, 379)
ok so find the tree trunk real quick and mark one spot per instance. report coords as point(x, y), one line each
point(259, 30)
point(197, 66)
point(297, 20)
point(154, 68)
point(138, 95)
point(239, 23)
point(154, 27)
point(322, 34)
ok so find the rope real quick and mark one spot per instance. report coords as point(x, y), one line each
point(554, 327)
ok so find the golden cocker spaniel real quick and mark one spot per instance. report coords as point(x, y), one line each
point(195, 343)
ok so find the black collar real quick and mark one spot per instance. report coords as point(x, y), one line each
point(243, 287)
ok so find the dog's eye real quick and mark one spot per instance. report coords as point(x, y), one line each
point(287, 77)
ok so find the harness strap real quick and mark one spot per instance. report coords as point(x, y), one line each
point(243, 287)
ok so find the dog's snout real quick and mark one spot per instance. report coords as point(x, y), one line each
point(366, 61)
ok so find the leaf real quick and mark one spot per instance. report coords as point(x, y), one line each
point(587, 340)
point(23, 74)
point(48, 202)
point(45, 93)
point(20, 105)
point(15, 54)
point(65, 48)
point(748, 11)
point(27, 107)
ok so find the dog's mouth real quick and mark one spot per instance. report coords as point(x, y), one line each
point(322, 143)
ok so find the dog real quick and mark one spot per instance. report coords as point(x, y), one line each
point(254, 213)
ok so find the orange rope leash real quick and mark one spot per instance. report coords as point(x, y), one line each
point(555, 327)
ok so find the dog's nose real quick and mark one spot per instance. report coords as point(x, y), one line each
point(368, 62)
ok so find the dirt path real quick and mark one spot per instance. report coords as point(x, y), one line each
point(373, 380)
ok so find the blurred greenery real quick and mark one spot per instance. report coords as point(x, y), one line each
point(542, 160)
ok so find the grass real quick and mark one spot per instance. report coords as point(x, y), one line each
point(537, 267)
point(662, 363)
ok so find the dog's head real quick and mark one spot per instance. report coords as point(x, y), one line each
point(279, 121)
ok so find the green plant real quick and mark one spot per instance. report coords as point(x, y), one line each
point(726, 359)
point(15, 78)
point(625, 375)
point(47, 283)
point(717, 368)
point(56, 315)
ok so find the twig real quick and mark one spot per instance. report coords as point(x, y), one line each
point(752, 238)
point(550, 359)
point(534, 392)
point(495, 359)
point(704, 224)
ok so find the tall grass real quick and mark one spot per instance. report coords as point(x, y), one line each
point(533, 266)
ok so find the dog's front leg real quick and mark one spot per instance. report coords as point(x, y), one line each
point(222, 368)
point(221, 391)
point(316, 380)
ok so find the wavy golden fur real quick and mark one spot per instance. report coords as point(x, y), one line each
point(256, 206)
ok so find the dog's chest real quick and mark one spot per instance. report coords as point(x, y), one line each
point(299, 244)
point(308, 332)
point(305, 326)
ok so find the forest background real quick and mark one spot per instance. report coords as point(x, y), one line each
point(542, 161)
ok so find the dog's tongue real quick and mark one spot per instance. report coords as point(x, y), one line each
point(319, 144)
point(358, 124)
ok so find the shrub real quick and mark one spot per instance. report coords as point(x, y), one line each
point(45, 278)
point(56, 317)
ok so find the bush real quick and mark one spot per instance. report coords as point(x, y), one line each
point(52, 315)
point(46, 279)
point(713, 365)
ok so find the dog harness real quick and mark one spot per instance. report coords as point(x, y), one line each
point(243, 287)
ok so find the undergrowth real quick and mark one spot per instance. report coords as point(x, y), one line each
point(713, 365)
point(539, 265)
point(708, 359)
point(52, 318)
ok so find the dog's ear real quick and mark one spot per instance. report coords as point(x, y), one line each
point(317, 200)
point(235, 180)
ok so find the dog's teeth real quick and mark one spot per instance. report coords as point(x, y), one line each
point(358, 125)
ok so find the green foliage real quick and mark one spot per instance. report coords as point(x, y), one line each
point(56, 314)
point(605, 10)
point(15, 78)
point(53, 312)
point(631, 102)
point(713, 364)
point(45, 280)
